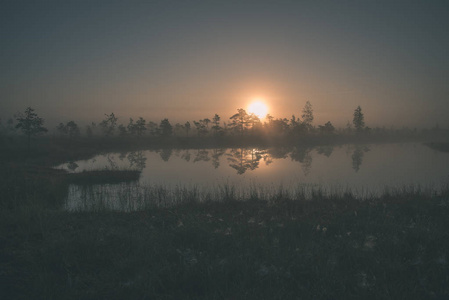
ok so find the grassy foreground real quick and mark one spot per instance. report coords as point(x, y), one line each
point(393, 247)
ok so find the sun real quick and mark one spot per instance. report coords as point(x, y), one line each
point(258, 108)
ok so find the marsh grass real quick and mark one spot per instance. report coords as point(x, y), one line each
point(220, 243)
point(278, 246)
point(135, 196)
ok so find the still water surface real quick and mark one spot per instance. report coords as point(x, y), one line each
point(364, 169)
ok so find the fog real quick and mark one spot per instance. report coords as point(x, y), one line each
point(72, 61)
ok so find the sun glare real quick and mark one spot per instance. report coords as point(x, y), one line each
point(258, 108)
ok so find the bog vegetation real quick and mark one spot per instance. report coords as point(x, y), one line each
point(252, 246)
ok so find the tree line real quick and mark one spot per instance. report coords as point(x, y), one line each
point(241, 123)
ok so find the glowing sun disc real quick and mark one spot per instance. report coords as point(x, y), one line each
point(258, 108)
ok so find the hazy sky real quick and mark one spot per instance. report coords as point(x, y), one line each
point(188, 60)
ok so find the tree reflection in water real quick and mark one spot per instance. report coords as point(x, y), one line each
point(111, 160)
point(302, 155)
point(72, 166)
point(357, 156)
point(122, 155)
point(166, 153)
point(186, 155)
point(278, 152)
point(137, 159)
point(240, 159)
point(325, 150)
point(201, 155)
point(267, 158)
point(245, 159)
point(216, 154)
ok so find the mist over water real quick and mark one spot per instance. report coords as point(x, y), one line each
point(365, 170)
